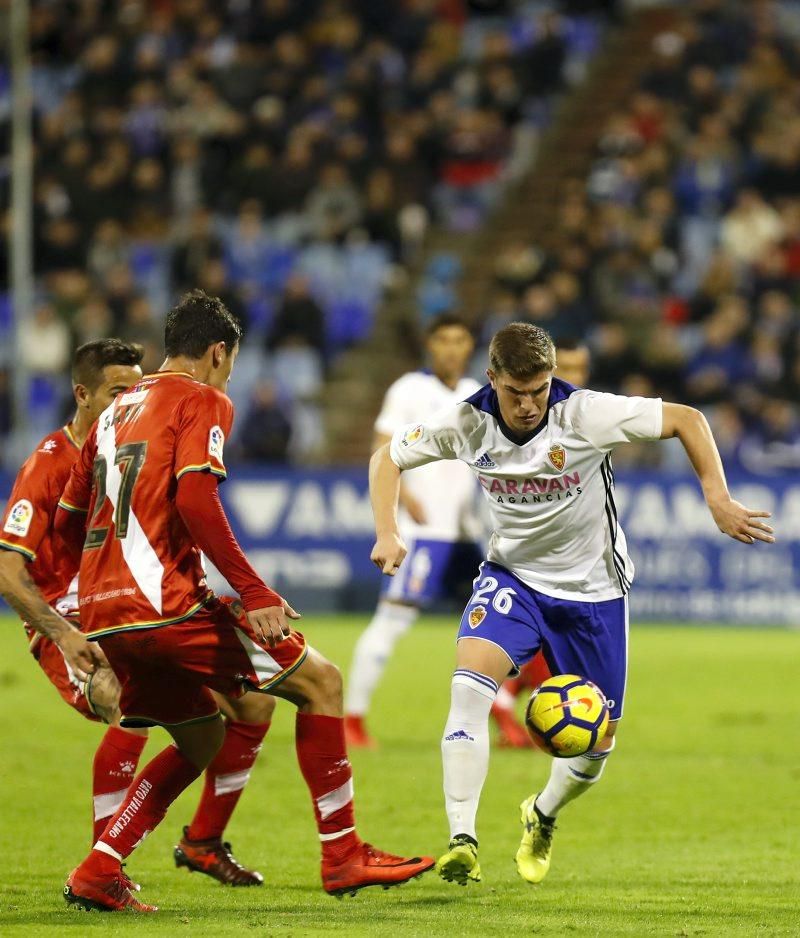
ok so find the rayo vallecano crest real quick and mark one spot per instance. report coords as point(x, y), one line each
point(557, 456)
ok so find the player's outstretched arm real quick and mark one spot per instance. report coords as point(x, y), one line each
point(732, 518)
point(384, 490)
point(200, 507)
point(20, 592)
point(406, 500)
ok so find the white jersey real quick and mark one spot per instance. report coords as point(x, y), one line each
point(447, 493)
point(551, 498)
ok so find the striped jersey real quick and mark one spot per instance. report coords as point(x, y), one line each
point(551, 497)
point(140, 567)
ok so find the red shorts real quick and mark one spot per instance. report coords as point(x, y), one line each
point(166, 673)
point(61, 676)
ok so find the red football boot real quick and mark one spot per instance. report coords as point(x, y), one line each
point(130, 883)
point(513, 734)
point(356, 735)
point(214, 858)
point(91, 893)
point(368, 866)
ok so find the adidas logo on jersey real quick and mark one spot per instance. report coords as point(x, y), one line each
point(485, 462)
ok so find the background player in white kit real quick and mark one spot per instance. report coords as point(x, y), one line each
point(437, 515)
point(558, 571)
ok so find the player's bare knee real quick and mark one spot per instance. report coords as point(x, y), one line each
point(258, 708)
point(329, 684)
point(251, 708)
point(200, 742)
point(103, 692)
point(315, 687)
point(321, 687)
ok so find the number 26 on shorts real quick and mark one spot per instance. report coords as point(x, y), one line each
point(502, 600)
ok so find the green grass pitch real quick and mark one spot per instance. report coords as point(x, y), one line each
point(694, 830)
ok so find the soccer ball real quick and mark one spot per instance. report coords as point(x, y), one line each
point(567, 715)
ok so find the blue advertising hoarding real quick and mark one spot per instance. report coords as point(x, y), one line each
point(309, 533)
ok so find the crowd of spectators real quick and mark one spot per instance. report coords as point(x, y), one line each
point(283, 155)
point(678, 257)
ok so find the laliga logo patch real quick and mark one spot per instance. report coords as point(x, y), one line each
point(410, 437)
point(476, 616)
point(557, 456)
point(216, 442)
point(19, 518)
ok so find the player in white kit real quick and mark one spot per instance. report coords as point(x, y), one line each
point(574, 366)
point(557, 574)
point(437, 518)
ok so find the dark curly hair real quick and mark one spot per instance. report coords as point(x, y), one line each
point(199, 320)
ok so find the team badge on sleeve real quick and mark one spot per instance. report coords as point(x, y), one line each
point(476, 616)
point(557, 456)
point(19, 518)
point(410, 437)
point(216, 443)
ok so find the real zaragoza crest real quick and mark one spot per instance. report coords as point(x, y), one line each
point(557, 456)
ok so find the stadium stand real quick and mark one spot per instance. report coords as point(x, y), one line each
point(288, 157)
point(673, 246)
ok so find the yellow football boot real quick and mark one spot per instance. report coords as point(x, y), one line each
point(460, 863)
point(533, 856)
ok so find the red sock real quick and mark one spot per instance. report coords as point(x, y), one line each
point(226, 777)
point(112, 773)
point(151, 793)
point(323, 760)
point(515, 685)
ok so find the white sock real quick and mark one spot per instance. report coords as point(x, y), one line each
point(373, 650)
point(465, 748)
point(570, 778)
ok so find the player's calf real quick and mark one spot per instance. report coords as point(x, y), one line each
point(465, 748)
point(117, 756)
point(348, 864)
point(113, 769)
point(203, 847)
point(569, 778)
point(372, 652)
